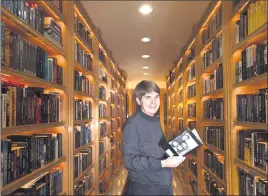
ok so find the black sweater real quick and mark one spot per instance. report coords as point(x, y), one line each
point(142, 155)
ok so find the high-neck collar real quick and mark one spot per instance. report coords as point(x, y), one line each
point(152, 118)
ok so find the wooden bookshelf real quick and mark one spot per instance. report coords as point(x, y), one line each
point(214, 175)
point(24, 128)
point(29, 80)
point(66, 59)
point(77, 150)
point(76, 180)
point(231, 54)
point(84, 70)
point(103, 173)
point(9, 188)
point(17, 25)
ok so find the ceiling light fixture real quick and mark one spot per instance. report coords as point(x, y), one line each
point(145, 39)
point(145, 9)
point(145, 74)
point(145, 67)
point(145, 56)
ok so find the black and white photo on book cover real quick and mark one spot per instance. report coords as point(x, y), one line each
point(182, 144)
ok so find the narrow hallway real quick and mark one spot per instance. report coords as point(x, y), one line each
point(118, 181)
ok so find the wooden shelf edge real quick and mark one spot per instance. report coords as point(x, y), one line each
point(83, 44)
point(103, 155)
point(257, 171)
point(82, 121)
point(27, 178)
point(83, 147)
point(26, 30)
point(23, 128)
point(103, 172)
point(192, 174)
point(254, 125)
point(213, 66)
point(90, 190)
point(257, 32)
point(255, 81)
point(214, 149)
point(214, 175)
point(209, 41)
point(76, 180)
point(81, 95)
point(217, 92)
point(220, 122)
point(205, 191)
point(81, 68)
point(29, 79)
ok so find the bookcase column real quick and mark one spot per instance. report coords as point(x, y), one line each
point(69, 83)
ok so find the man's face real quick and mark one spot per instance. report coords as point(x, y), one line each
point(150, 103)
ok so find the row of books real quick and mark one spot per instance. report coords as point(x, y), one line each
point(194, 186)
point(102, 164)
point(253, 148)
point(113, 124)
point(213, 109)
point(191, 73)
point(213, 26)
point(102, 147)
point(116, 99)
point(102, 111)
point(253, 62)
point(113, 84)
point(251, 18)
point(112, 138)
point(180, 82)
point(103, 75)
point(253, 107)
point(214, 162)
point(191, 55)
point(52, 31)
point(28, 105)
point(181, 125)
point(82, 161)
point(83, 109)
point(213, 53)
point(112, 112)
point(82, 57)
point(82, 135)
point(23, 154)
point(250, 184)
point(21, 55)
point(191, 91)
point(103, 129)
point(214, 135)
point(82, 31)
point(56, 4)
point(102, 57)
point(102, 186)
point(48, 183)
point(181, 95)
point(193, 166)
point(212, 186)
point(192, 110)
point(214, 81)
point(112, 153)
point(84, 185)
point(82, 83)
point(181, 112)
point(102, 92)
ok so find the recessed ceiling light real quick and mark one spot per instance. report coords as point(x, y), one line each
point(145, 9)
point(145, 56)
point(145, 74)
point(145, 39)
point(145, 67)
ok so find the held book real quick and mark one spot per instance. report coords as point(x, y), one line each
point(182, 144)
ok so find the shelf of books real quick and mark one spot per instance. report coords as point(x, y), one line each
point(229, 106)
point(55, 109)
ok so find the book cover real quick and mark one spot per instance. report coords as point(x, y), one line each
point(182, 144)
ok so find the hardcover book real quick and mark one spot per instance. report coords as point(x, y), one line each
point(182, 144)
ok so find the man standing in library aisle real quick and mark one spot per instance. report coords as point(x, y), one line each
point(149, 172)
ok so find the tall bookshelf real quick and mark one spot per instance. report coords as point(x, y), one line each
point(225, 125)
point(69, 92)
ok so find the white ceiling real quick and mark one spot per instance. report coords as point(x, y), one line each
point(122, 26)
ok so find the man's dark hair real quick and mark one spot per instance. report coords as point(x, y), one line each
point(144, 87)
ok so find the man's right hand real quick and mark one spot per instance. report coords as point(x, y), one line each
point(173, 161)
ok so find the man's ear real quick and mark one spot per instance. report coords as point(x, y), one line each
point(138, 101)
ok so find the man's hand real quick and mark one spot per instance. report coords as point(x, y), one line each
point(173, 161)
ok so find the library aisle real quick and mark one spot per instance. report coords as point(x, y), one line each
point(68, 74)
